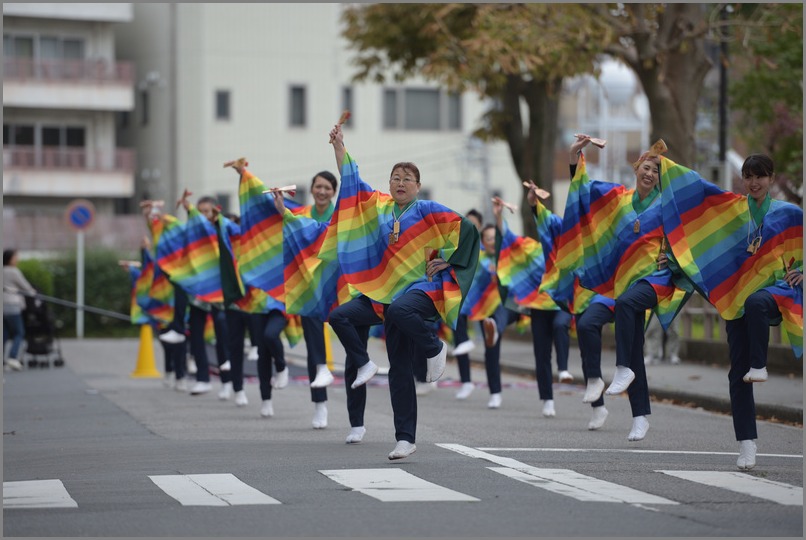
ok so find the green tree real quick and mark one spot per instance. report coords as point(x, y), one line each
point(665, 45)
point(515, 54)
point(767, 57)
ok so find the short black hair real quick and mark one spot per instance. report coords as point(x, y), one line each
point(327, 175)
point(206, 199)
point(8, 254)
point(757, 165)
point(476, 214)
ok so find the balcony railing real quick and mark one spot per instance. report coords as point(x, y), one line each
point(28, 157)
point(24, 69)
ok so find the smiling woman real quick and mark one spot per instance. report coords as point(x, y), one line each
point(385, 245)
point(615, 236)
point(758, 281)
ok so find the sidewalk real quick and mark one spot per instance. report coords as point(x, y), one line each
point(692, 382)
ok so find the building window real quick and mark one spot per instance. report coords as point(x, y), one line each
point(43, 47)
point(423, 109)
point(390, 109)
point(143, 107)
point(347, 104)
point(48, 56)
point(297, 108)
point(224, 202)
point(16, 135)
point(123, 119)
point(45, 145)
point(454, 112)
point(74, 137)
point(222, 105)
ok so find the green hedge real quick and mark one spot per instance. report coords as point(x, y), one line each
point(38, 275)
point(106, 286)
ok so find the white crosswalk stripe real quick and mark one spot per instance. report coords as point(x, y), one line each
point(562, 481)
point(397, 485)
point(579, 486)
point(739, 482)
point(36, 494)
point(210, 490)
point(394, 485)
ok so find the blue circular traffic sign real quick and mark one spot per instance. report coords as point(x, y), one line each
point(80, 214)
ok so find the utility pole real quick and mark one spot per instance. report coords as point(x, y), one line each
point(724, 177)
point(478, 155)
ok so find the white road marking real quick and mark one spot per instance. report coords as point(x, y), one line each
point(579, 486)
point(36, 494)
point(629, 451)
point(210, 490)
point(562, 481)
point(740, 482)
point(394, 485)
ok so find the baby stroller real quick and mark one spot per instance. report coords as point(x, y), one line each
point(42, 345)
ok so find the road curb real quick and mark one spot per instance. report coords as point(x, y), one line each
point(767, 412)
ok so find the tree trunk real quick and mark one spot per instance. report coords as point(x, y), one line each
point(532, 153)
point(672, 68)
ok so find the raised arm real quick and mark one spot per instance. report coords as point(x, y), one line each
point(579, 143)
point(184, 201)
point(337, 140)
point(498, 209)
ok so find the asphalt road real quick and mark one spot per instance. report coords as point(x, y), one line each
point(114, 455)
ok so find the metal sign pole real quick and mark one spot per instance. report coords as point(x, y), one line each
point(80, 284)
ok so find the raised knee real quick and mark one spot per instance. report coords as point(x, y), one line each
point(394, 312)
point(755, 303)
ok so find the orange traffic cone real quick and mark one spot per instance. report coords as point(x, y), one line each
point(146, 366)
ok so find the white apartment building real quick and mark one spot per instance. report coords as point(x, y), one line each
point(117, 103)
point(267, 82)
point(62, 89)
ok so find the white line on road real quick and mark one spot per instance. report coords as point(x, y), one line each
point(210, 490)
point(579, 486)
point(394, 485)
point(629, 451)
point(562, 481)
point(36, 494)
point(739, 482)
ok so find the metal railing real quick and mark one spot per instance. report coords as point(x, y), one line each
point(100, 70)
point(30, 157)
point(699, 313)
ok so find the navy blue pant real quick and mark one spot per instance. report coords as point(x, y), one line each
point(492, 355)
point(176, 354)
point(351, 323)
point(410, 339)
point(547, 327)
point(198, 348)
point(630, 310)
point(238, 322)
point(175, 358)
point(180, 310)
point(270, 349)
point(589, 335)
point(222, 346)
point(314, 332)
point(748, 339)
point(462, 360)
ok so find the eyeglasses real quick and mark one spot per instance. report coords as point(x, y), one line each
point(406, 180)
